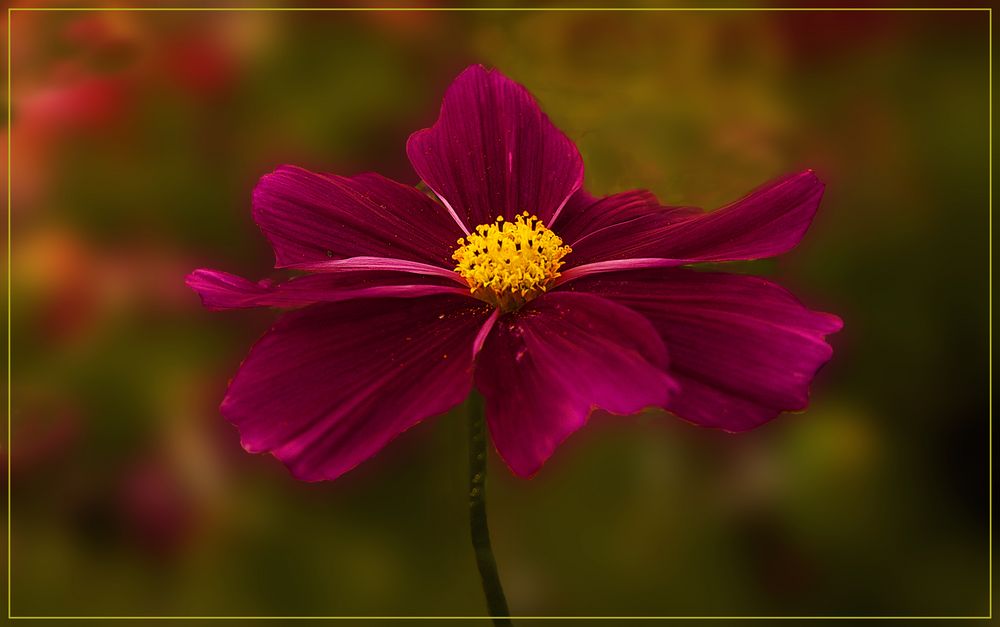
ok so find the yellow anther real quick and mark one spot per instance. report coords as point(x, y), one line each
point(508, 263)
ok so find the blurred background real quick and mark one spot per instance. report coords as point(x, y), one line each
point(137, 139)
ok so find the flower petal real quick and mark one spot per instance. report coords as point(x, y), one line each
point(367, 264)
point(586, 217)
point(221, 290)
point(310, 217)
point(493, 152)
point(742, 349)
point(331, 384)
point(546, 366)
point(767, 222)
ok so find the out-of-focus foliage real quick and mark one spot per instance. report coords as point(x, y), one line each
point(137, 138)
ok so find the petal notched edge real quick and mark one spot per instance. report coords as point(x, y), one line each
point(493, 152)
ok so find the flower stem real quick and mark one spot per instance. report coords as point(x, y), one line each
point(495, 600)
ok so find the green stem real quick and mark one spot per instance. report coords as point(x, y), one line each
point(495, 600)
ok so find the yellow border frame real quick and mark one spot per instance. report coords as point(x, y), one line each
point(987, 10)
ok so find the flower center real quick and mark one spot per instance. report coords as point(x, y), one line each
point(508, 263)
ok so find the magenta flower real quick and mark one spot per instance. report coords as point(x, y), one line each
point(549, 301)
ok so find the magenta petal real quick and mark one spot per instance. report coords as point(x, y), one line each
point(493, 152)
point(310, 217)
point(742, 349)
point(545, 367)
point(331, 384)
point(585, 217)
point(377, 264)
point(767, 222)
point(221, 290)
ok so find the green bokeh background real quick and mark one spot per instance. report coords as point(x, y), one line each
point(137, 139)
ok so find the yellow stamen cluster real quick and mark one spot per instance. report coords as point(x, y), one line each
point(508, 263)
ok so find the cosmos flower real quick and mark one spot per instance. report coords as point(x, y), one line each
point(514, 280)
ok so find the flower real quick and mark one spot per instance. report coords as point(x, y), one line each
point(548, 300)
